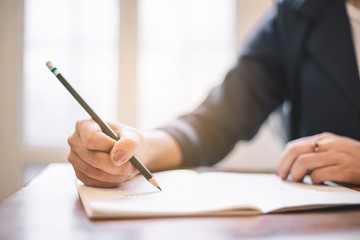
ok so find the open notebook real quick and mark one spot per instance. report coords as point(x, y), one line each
point(188, 193)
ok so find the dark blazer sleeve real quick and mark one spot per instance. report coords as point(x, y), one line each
point(235, 109)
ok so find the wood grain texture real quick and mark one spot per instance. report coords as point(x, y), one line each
point(49, 208)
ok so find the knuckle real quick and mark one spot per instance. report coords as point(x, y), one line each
point(129, 144)
point(71, 140)
point(78, 125)
point(70, 158)
point(339, 156)
point(90, 142)
point(301, 161)
point(291, 146)
point(326, 134)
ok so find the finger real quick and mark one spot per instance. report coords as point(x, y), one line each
point(94, 173)
point(117, 127)
point(125, 148)
point(331, 143)
point(292, 152)
point(93, 182)
point(306, 163)
point(93, 138)
point(97, 159)
point(331, 173)
point(102, 161)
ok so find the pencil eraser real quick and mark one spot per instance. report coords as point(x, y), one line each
point(52, 68)
point(49, 65)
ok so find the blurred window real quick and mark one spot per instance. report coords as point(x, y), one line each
point(184, 48)
point(81, 39)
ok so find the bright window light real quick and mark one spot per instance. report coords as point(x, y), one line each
point(81, 39)
point(185, 48)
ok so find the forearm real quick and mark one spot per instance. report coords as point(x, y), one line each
point(161, 151)
point(235, 109)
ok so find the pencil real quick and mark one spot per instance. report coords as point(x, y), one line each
point(103, 125)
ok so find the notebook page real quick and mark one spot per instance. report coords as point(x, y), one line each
point(184, 193)
point(269, 192)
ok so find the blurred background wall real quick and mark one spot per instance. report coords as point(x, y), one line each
point(136, 61)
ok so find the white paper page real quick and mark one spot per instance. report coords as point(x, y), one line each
point(184, 192)
point(269, 192)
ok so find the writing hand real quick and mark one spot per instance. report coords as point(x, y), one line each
point(99, 160)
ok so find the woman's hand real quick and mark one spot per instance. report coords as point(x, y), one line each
point(325, 157)
point(100, 161)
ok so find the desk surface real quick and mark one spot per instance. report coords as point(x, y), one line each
point(49, 208)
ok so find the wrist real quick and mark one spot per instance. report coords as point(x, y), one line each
point(160, 151)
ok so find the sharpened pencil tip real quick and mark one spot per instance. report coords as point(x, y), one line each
point(153, 182)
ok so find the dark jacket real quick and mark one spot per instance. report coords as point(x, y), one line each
point(302, 53)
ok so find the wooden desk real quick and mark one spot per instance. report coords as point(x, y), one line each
point(49, 208)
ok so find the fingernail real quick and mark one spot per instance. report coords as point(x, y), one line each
point(119, 158)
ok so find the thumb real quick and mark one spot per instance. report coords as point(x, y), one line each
point(124, 148)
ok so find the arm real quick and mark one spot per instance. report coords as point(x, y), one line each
point(235, 109)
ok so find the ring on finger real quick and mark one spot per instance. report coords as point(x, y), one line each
point(315, 146)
